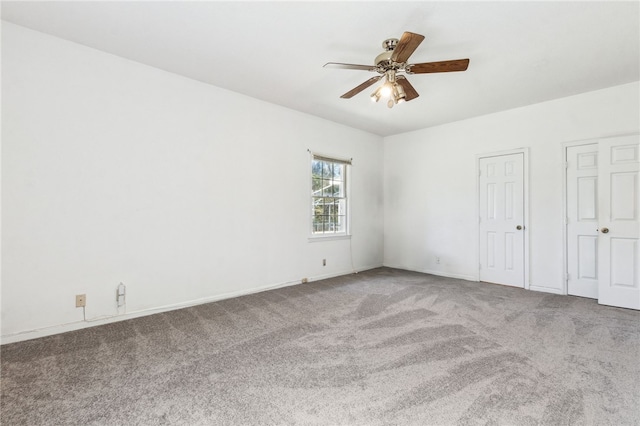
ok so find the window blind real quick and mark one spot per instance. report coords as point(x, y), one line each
point(331, 159)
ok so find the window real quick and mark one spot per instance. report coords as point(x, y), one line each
point(328, 196)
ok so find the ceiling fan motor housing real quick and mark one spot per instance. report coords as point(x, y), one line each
point(384, 59)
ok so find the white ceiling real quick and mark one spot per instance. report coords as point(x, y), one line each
point(521, 52)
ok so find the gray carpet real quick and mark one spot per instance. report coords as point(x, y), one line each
point(380, 347)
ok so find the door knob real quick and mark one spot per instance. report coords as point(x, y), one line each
point(604, 230)
point(519, 227)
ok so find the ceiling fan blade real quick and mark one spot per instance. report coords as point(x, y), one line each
point(442, 66)
point(361, 87)
point(408, 43)
point(349, 66)
point(409, 91)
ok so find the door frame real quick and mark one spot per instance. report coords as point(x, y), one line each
point(565, 236)
point(525, 171)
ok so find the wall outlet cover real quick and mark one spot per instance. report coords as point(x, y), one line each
point(81, 300)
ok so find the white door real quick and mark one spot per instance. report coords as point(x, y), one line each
point(582, 220)
point(619, 222)
point(502, 219)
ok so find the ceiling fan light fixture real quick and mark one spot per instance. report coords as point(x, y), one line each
point(386, 89)
point(390, 90)
point(399, 93)
point(397, 97)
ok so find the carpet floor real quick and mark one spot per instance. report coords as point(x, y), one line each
point(382, 347)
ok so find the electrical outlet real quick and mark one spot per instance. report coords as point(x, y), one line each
point(437, 260)
point(324, 262)
point(121, 293)
point(81, 300)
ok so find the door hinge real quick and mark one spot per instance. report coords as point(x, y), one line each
point(567, 277)
point(566, 164)
point(566, 220)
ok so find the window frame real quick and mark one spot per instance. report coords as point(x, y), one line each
point(346, 179)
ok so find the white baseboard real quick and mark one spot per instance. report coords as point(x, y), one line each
point(339, 274)
point(547, 290)
point(438, 273)
point(63, 328)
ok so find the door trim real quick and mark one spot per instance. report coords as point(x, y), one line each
point(525, 159)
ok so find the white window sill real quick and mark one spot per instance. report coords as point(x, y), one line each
point(317, 238)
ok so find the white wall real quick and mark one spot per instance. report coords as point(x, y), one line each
point(114, 171)
point(430, 181)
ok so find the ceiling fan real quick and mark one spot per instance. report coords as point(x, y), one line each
point(393, 61)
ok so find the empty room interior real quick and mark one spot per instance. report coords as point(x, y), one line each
point(320, 213)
